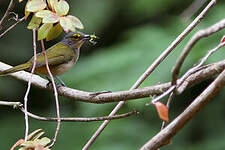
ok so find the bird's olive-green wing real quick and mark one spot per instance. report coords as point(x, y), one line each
point(57, 54)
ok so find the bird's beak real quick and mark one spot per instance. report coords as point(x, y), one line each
point(87, 37)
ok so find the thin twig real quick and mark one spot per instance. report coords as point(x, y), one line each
point(152, 68)
point(176, 125)
point(203, 60)
point(29, 85)
point(81, 119)
point(55, 94)
point(203, 73)
point(12, 26)
point(188, 73)
point(13, 104)
point(192, 9)
point(200, 34)
point(9, 9)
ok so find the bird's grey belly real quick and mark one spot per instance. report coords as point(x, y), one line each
point(64, 67)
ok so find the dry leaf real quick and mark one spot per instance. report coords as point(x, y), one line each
point(162, 111)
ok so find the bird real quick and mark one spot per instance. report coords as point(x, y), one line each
point(61, 57)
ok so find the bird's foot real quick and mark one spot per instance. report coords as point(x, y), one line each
point(98, 93)
point(50, 85)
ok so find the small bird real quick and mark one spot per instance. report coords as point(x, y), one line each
point(61, 56)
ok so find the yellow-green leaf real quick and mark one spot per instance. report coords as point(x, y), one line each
point(44, 141)
point(34, 22)
point(35, 5)
point(43, 31)
point(50, 18)
point(62, 8)
point(27, 13)
point(43, 13)
point(67, 24)
point(76, 22)
point(54, 32)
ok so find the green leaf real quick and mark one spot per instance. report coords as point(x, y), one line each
point(54, 32)
point(35, 5)
point(43, 31)
point(76, 22)
point(35, 22)
point(62, 8)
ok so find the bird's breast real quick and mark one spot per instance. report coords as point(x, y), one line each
point(60, 69)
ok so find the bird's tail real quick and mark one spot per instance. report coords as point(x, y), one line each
point(16, 68)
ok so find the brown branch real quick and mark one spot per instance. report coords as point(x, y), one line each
point(55, 94)
point(12, 26)
point(67, 119)
point(200, 34)
point(81, 119)
point(152, 68)
point(9, 9)
point(29, 85)
point(204, 73)
point(177, 124)
point(188, 73)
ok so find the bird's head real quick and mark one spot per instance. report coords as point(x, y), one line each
point(76, 39)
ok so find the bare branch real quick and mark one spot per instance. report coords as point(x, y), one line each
point(12, 26)
point(202, 74)
point(14, 104)
point(81, 119)
point(55, 94)
point(192, 9)
point(152, 68)
point(188, 73)
point(67, 119)
point(200, 34)
point(29, 85)
point(9, 9)
point(177, 124)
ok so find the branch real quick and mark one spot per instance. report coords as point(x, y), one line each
point(12, 26)
point(29, 85)
point(71, 119)
point(13, 104)
point(55, 94)
point(9, 9)
point(202, 74)
point(165, 135)
point(200, 34)
point(81, 119)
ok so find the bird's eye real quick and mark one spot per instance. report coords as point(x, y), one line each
point(76, 36)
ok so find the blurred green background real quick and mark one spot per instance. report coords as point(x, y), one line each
point(132, 35)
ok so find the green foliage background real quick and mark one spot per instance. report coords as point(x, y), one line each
point(132, 35)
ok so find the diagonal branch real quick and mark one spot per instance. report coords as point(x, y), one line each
point(9, 9)
point(199, 35)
